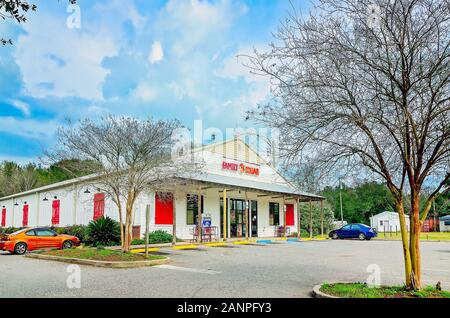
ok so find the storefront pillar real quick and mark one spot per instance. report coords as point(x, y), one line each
point(225, 210)
point(199, 216)
point(284, 217)
point(174, 219)
point(299, 229)
point(310, 220)
point(246, 216)
point(321, 217)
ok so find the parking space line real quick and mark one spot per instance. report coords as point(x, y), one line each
point(186, 269)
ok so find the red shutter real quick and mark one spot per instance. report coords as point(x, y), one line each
point(55, 212)
point(164, 209)
point(25, 216)
point(3, 217)
point(99, 205)
point(289, 215)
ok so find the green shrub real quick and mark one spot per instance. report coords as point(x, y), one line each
point(75, 230)
point(138, 242)
point(156, 237)
point(9, 230)
point(103, 232)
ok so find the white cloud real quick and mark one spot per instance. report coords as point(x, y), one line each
point(18, 159)
point(234, 68)
point(197, 21)
point(60, 62)
point(144, 92)
point(28, 128)
point(22, 106)
point(156, 53)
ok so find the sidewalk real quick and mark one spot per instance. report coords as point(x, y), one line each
point(220, 243)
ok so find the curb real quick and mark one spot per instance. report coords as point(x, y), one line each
point(80, 261)
point(318, 294)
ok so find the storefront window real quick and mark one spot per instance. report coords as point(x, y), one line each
point(274, 213)
point(192, 208)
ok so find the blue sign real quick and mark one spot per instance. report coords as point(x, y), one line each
point(206, 221)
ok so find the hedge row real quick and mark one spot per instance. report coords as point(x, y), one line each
point(102, 232)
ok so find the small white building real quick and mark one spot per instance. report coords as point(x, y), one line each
point(444, 223)
point(234, 172)
point(387, 222)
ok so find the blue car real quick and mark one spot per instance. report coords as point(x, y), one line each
point(354, 230)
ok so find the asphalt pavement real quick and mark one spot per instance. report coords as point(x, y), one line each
point(283, 269)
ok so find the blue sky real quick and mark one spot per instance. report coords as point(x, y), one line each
point(166, 59)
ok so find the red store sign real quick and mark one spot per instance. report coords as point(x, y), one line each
point(242, 168)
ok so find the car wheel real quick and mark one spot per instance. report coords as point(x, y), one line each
point(361, 236)
point(335, 236)
point(20, 248)
point(67, 245)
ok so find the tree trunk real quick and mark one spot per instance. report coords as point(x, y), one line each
point(119, 206)
point(415, 241)
point(406, 251)
point(128, 223)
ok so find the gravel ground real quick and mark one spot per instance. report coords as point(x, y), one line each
point(275, 270)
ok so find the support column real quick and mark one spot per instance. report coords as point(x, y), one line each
point(321, 217)
point(299, 228)
point(174, 219)
point(284, 217)
point(199, 216)
point(310, 220)
point(246, 216)
point(225, 221)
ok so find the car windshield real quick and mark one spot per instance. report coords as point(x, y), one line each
point(366, 226)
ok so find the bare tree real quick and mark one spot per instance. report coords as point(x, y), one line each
point(366, 84)
point(127, 157)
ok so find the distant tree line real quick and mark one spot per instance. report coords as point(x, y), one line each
point(15, 178)
point(361, 201)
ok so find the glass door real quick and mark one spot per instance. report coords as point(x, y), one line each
point(237, 211)
point(254, 214)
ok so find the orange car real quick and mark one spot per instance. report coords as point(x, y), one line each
point(31, 239)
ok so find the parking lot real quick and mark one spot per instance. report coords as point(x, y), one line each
point(274, 270)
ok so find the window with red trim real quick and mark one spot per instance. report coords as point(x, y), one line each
point(55, 212)
point(99, 205)
point(25, 216)
point(4, 217)
point(163, 208)
point(289, 215)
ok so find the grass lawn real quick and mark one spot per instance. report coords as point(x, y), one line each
point(362, 291)
point(432, 236)
point(101, 255)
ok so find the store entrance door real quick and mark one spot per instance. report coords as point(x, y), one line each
point(254, 214)
point(237, 211)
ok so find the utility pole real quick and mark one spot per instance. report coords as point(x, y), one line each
point(340, 199)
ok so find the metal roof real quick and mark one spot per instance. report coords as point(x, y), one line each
point(444, 218)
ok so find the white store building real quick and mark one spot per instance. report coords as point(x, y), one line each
point(233, 171)
point(387, 222)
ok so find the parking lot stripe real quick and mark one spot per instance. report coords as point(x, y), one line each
point(185, 247)
point(142, 250)
point(186, 269)
point(215, 244)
